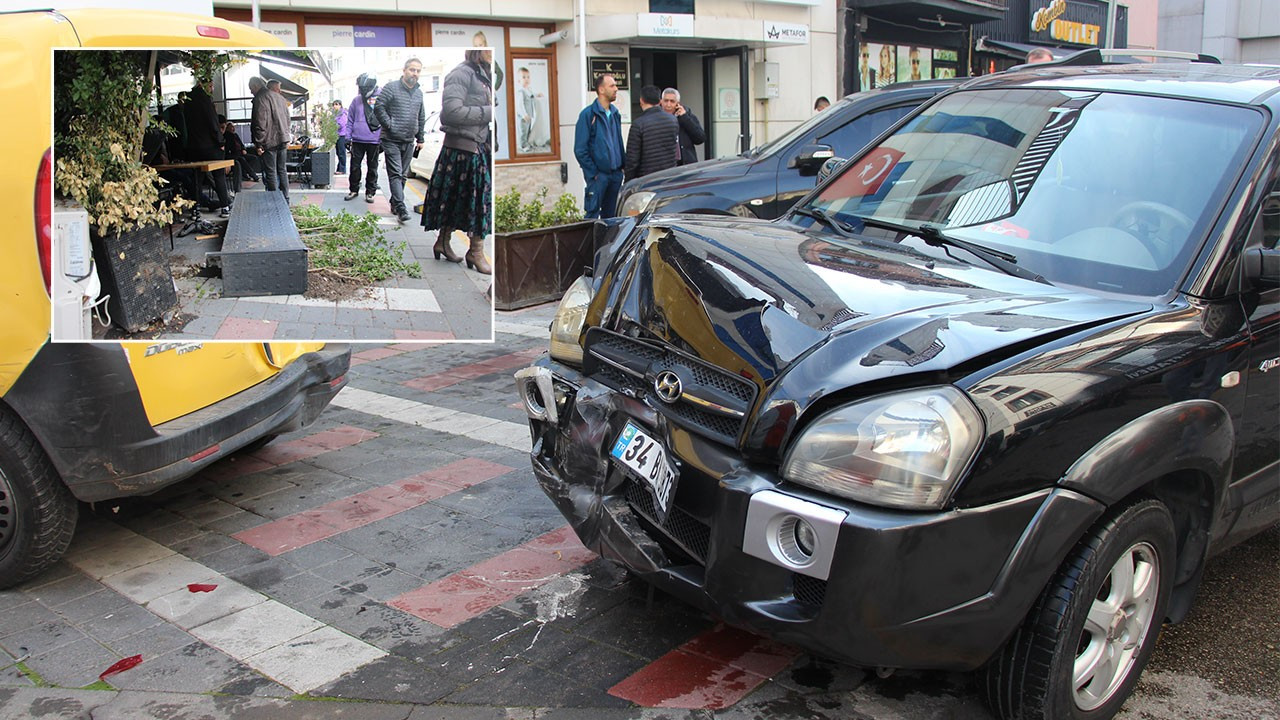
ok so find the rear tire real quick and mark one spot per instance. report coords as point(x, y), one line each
point(37, 511)
point(1082, 647)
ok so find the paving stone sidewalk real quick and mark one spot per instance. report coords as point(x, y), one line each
point(446, 303)
point(398, 560)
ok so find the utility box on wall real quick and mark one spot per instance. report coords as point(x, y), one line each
point(765, 81)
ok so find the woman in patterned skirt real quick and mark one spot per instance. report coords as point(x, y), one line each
point(460, 195)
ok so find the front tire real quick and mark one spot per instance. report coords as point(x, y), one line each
point(1085, 642)
point(37, 511)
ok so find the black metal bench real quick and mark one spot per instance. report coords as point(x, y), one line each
point(262, 253)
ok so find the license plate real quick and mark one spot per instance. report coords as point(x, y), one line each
point(646, 457)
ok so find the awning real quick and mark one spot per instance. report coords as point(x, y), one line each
point(292, 91)
point(309, 60)
point(1018, 51)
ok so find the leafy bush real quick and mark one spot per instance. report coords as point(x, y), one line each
point(512, 216)
point(350, 245)
point(100, 106)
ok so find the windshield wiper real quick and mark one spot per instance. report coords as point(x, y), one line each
point(827, 219)
point(933, 235)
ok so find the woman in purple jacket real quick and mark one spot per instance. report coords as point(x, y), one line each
point(362, 128)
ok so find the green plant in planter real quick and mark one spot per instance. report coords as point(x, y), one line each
point(100, 110)
point(510, 215)
point(328, 128)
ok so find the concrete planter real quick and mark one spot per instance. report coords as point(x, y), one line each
point(537, 266)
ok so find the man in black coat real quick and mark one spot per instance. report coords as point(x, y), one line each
point(691, 132)
point(654, 141)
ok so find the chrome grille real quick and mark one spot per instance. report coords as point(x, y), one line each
point(713, 402)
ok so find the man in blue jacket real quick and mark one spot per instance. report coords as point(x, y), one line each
point(597, 143)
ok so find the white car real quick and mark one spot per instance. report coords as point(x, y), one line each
point(424, 163)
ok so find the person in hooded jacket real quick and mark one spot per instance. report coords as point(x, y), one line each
point(366, 134)
point(460, 195)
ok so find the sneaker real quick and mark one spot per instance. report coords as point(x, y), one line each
point(224, 212)
point(369, 198)
point(404, 216)
point(351, 196)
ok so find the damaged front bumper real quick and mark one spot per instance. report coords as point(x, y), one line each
point(881, 588)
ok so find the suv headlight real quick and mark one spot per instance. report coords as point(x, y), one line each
point(636, 203)
point(904, 449)
point(568, 322)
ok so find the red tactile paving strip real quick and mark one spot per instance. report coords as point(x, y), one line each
point(377, 353)
point(423, 335)
point(234, 328)
point(463, 373)
point(484, 586)
point(287, 452)
point(710, 672)
point(301, 529)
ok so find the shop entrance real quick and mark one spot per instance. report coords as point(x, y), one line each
point(712, 85)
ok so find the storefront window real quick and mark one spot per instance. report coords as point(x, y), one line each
point(671, 6)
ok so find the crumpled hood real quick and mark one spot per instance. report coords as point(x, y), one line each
point(770, 303)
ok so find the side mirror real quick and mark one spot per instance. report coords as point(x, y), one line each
point(811, 157)
point(1262, 267)
point(830, 167)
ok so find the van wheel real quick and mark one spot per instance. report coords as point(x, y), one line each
point(37, 511)
point(1088, 637)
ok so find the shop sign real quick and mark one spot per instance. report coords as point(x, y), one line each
point(354, 36)
point(664, 25)
point(615, 66)
point(786, 33)
point(286, 32)
point(1075, 32)
point(1067, 22)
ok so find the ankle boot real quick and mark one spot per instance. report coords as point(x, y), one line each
point(475, 256)
point(442, 246)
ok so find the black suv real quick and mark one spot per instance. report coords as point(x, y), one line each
point(986, 400)
point(766, 181)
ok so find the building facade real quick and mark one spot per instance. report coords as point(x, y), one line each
point(1241, 31)
point(749, 71)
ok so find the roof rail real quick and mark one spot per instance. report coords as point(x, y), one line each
point(1103, 56)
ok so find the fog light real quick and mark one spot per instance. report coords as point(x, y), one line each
point(796, 540)
point(806, 537)
point(535, 387)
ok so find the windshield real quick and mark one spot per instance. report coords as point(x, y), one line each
point(1101, 190)
point(773, 146)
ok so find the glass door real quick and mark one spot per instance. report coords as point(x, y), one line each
point(726, 89)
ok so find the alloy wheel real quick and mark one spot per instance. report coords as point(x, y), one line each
point(1116, 626)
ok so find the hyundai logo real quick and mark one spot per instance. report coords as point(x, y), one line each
point(667, 386)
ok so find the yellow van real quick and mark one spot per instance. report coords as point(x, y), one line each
point(93, 422)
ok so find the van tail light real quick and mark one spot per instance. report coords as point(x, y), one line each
point(44, 216)
point(213, 32)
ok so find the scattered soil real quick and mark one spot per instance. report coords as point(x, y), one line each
point(324, 284)
point(150, 332)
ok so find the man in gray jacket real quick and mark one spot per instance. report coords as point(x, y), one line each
point(270, 128)
point(399, 110)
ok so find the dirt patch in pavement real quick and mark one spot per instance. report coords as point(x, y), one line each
point(1232, 635)
point(154, 330)
point(324, 284)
